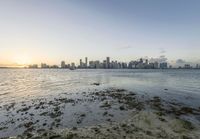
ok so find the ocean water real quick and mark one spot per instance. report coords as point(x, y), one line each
point(24, 86)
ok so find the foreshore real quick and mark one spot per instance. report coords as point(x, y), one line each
point(146, 118)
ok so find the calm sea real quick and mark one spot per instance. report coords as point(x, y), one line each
point(27, 87)
point(23, 84)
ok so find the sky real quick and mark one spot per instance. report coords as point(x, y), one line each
point(35, 31)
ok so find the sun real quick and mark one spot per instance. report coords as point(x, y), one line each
point(22, 59)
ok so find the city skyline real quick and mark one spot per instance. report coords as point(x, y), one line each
point(51, 31)
point(85, 63)
point(109, 63)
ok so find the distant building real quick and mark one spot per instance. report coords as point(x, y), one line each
point(34, 66)
point(63, 64)
point(155, 65)
point(97, 64)
point(146, 62)
point(86, 62)
point(104, 64)
point(163, 65)
point(68, 66)
point(151, 65)
point(107, 62)
point(54, 66)
point(187, 66)
point(132, 64)
point(197, 66)
point(141, 60)
point(73, 66)
point(119, 65)
point(44, 65)
point(91, 64)
point(81, 63)
point(124, 65)
point(140, 65)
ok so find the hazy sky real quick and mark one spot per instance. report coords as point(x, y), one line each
point(34, 31)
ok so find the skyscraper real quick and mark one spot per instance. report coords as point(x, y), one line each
point(86, 62)
point(146, 62)
point(62, 64)
point(141, 60)
point(108, 62)
point(81, 63)
point(155, 65)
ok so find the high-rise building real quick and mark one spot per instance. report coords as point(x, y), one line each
point(62, 64)
point(197, 66)
point(91, 64)
point(151, 65)
point(155, 65)
point(86, 62)
point(141, 60)
point(119, 65)
point(163, 65)
point(108, 62)
point(73, 66)
point(97, 64)
point(124, 65)
point(146, 62)
point(81, 63)
point(104, 64)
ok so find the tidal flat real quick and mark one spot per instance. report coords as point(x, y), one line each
point(111, 113)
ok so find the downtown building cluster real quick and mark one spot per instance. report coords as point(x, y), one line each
point(114, 64)
point(108, 64)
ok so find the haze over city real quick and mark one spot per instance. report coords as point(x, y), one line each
point(51, 31)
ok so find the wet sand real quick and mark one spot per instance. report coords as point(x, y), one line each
point(121, 114)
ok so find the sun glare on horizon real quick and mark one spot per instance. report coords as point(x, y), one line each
point(22, 59)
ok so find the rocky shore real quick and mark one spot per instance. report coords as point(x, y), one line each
point(121, 114)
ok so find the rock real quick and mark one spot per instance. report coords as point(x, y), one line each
point(105, 113)
point(29, 124)
point(122, 108)
point(97, 84)
point(55, 137)
point(83, 115)
point(106, 105)
point(74, 128)
point(187, 125)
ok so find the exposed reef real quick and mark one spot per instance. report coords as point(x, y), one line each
point(145, 118)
